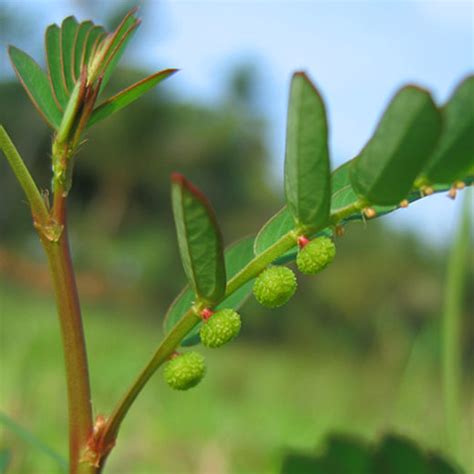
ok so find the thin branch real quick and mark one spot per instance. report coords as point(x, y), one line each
point(35, 199)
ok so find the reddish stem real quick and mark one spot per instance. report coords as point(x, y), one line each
point(77, 374)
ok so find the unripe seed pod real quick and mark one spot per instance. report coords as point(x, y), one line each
point(220, 328)
point(316, 255)
point(185, 371)
point(274, 286)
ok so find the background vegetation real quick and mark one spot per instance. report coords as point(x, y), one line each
point(357, 351)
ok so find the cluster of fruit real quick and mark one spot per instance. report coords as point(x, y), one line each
point(272, 288)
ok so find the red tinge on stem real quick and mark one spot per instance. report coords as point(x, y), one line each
point(302, 241)
point(206, 313)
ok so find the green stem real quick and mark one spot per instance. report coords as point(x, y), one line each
point(452, 317)
point(260, 262)
point(189, 320)
point(37, 203)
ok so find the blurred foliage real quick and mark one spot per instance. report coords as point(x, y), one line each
point(393, 454)
point(256, 401)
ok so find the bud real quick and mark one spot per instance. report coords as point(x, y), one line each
point(185, 371)
point(316, 255)
point(220, 328)
point(274, 286)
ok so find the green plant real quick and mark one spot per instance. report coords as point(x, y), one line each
point(417, 148)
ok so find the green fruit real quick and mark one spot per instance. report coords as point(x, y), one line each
point(274, 286)
point(316, 255)
point(220, 328)
point(185, 371)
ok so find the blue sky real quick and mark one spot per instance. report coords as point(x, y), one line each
point(358, 53)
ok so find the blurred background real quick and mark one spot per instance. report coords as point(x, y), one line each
point(357, 351)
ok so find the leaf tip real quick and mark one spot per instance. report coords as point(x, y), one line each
point(300, 74)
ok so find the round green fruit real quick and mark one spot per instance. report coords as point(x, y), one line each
point(274, 286)
point(185, 371)
point(220, 328)
point(316, 255)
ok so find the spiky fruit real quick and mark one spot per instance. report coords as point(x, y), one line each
point(220, 328)
point(274, 286)
point(316, 255)
point(185, 371)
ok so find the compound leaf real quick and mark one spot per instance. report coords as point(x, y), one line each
point(116, 45)
point(37, 86)
point(454, 154)
point(80, 45)
point(129, 95)
point(94, 37)
point(69, 29)
point(55, 66)
point(199, 240)
point(307, 168)
point(405, 137)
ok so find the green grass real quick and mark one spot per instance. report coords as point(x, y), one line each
point(254, 402)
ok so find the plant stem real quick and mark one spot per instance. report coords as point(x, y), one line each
point(72, 334)
point(452, 317)
point(37, 204)
point(52, 231)
point(189, 320)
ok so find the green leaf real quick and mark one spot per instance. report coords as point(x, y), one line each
point(117, 44)
point(282, 222)
point(80, 45)
point(127, 96)
point(347, 455)
point(307, 168)
point(278, 226)
point(386, 168)
point(32, 440)
point(236, 257)
point(454, 154)
point(69, 29)
point(343, 194)
point(275, 228)
point(94, 37)
point(301, 463)
point(178, 307)
point(55, 66)
point(199, 239)
point(397, 455)
point(37, 86)
point(438, 465)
